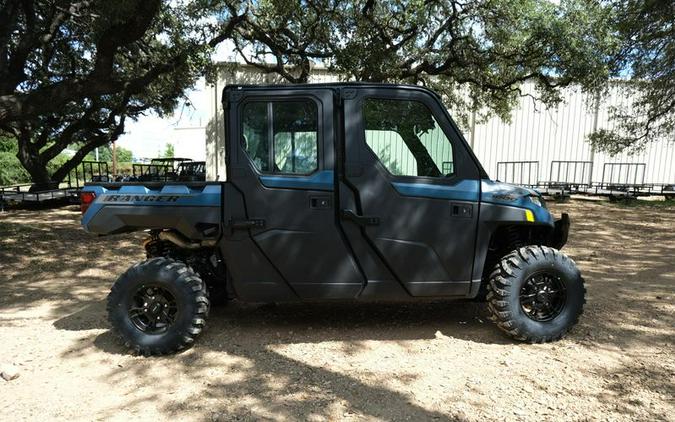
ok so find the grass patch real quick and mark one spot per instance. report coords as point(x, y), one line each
point(641, 203)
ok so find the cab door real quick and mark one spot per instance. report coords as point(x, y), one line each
point(282, 240)
point(409, 192)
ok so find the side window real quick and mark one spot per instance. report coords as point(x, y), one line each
point(406, 138)
point(281, 136)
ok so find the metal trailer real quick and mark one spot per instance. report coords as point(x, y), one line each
point(14, 195)
point(91, 171)
point(159, 170)
point(522, 173)
point(567, 177)
point(623, 180)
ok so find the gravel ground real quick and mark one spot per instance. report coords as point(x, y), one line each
point(339, 361)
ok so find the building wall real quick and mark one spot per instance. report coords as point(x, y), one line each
point(533, 134)
point(189, 142)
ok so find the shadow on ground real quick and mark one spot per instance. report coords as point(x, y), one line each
point(627, 262)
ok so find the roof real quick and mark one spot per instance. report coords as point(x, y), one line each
point(325, 85)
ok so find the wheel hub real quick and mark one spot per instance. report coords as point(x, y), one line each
point(153, 309)
point(543, 296)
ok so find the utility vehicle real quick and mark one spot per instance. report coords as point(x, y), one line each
point(336, 191)
point(159, 169)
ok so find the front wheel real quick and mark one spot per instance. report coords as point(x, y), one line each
point(158, 306)
point(536, 294)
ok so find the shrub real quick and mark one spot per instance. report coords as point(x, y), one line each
point(11, 171)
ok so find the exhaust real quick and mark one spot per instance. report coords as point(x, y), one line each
point(183, 242)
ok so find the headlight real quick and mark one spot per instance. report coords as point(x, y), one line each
point(538, 201)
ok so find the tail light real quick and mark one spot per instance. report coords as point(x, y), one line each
point(86, 198)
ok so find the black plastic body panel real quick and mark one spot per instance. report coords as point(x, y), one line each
point(185, 219)
point(300, 239)
point(493, 216)
point(425, 246)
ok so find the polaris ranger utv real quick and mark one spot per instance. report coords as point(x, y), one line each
point(336, 191)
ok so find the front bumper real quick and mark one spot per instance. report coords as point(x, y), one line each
point(560, 232)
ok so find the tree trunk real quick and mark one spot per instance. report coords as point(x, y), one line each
point(425, 164)
point(37, 170)
point(30, 159)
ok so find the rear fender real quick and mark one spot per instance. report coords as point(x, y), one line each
point(194, 212)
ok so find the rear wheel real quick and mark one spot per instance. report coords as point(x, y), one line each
point(536, 294)
point(158, 306)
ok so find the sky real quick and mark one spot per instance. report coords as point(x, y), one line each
point(147, 137)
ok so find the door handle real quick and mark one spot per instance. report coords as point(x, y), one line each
point(462, 210)
point(247, 224)
point(361, 220)
point(319, 202)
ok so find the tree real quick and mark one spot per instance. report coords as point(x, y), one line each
point(646, 63)
point(11, 171)
point(476, 54)
point(105, 154)
point(73, 72)
point(169, 151)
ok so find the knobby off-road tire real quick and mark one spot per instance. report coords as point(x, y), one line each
point(536, 294)
point(158, 306)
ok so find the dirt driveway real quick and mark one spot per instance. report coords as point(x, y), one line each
point(431, 361)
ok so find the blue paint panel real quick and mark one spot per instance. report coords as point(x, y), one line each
point(134, 190)
point(142, 196)
point(496, 193)
point(175, 189)
point(322, 180)
point(465, 190)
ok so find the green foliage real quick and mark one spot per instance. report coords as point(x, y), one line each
point(642, 203)
point(11, 171)
point(476, 54)
point(78, 70)
point(646, 59)
point(169, 151)
point(8, 144)
point(56, 163)
point(123, 155)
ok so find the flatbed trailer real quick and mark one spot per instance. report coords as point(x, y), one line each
point(22, 195)
point(566, 178)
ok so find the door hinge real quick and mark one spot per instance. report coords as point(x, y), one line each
point(347, 94)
